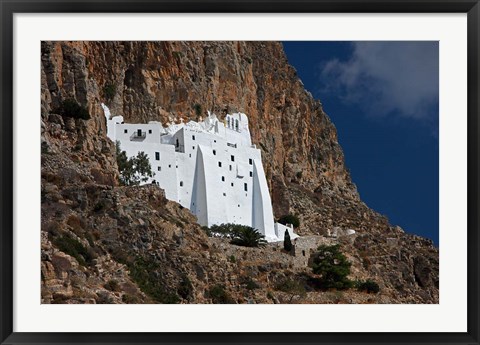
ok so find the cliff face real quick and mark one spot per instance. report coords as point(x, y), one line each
point(169, 81)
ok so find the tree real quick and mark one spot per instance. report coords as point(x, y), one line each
point(333, 266)
point(240, 235)
point(134, 170)
point(290, 219)
point(287, 242)
point(247, 236)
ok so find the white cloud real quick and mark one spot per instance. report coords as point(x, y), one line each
point(388, 78)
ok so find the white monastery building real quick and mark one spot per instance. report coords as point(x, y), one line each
point(209, 167)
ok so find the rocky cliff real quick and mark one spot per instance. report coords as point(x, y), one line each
point(125, 235)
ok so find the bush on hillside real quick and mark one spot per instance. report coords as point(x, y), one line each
point(290, 219)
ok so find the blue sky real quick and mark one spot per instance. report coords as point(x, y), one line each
point(383, 99)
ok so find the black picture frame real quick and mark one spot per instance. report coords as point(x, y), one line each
point(10, 7)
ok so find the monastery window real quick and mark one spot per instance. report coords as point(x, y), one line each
point(169, 165)
point(231, 184)
point(214, 141)
point(232, 158)
point(224, 194)
point(228, 122)
point(157, 156)
point(159, 168)
point(251, 173)
point(139, 132)
point(236, 125)
point(177, 143)
point(190, 155)
point(193, 147)
point(181, 183)
point(238, 205)
point(125, 131)
point(223, 178)
point(149, 131)
point(219, 164)
point(250, 161)
point(245, 186)
point(193, 137)
point(303, 252)
point(176, 166)
point(230, 167)
point(214, 152)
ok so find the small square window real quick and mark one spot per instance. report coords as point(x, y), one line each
point(245, 186)
point(224, 194)
point(223, 178)
point(159, 168)
point(181, 183)
point(214, 152)
point(250, 161)
point(230, 167)
point(176, 166)
point(231, 184)
point(149, 131)
point(157, 156)
point(232, 158)
point(169, 165)
point(251, 173)
point(214, 141)
point(220, 164)
point(193, 147)
point(190, 155)
point(193, 137)
point(125, 131)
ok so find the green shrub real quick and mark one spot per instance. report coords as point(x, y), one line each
point(109, 91)
point(333, 267)
point(112, 285)
point(198, 109)
point(368, 286)
point(177, 54)
point(130, 299)
point(70, 108)
point(232, 259)
point(74, 248)
point(250, 284)
point(185, 289)
point(144, 272)
point(219, 296)
point(290, 219)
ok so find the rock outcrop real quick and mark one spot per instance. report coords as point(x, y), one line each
point(133, 235)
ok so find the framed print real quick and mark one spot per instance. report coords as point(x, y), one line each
point(241, 172)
